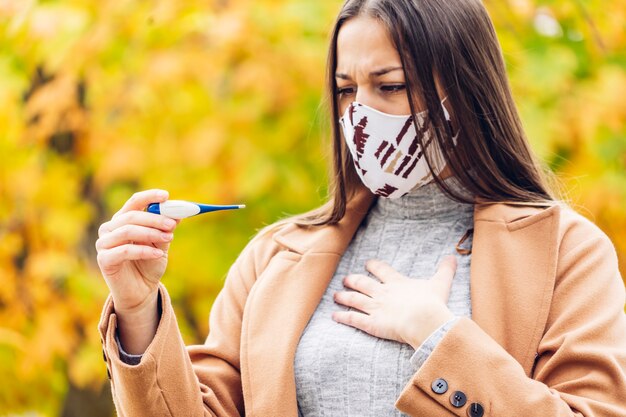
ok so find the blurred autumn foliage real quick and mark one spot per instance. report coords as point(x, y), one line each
point(218, 101)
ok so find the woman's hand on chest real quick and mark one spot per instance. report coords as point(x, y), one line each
point(396, 307)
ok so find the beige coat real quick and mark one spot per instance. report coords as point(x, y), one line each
point(547, 337)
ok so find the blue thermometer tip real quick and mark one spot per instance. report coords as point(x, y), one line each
point(207, 208)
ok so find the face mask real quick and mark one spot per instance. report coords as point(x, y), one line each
point(386, 151)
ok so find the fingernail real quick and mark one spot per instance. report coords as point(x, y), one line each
point(162, 195)
point(169, 223)
point(157, 252)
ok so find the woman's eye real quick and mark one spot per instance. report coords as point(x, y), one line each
point(344, 91)
point(393, 88)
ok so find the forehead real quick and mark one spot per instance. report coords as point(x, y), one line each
point(364, 43)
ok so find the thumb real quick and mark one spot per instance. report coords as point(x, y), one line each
point(444, 275)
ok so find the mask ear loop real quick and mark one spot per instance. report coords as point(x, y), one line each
point(446, 113)
point(448, 118)
point(464, 251)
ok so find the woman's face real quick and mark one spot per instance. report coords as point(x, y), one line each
point(369, 69)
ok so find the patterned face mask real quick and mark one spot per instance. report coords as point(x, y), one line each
point(386, 151)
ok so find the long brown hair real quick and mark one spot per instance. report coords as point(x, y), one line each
point(454, 40)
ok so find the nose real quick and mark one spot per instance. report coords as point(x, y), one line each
point(363, 97)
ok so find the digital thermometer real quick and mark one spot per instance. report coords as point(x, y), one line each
point(179, 209)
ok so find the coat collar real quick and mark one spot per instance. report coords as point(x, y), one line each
point(336, 238)
point(327, 239)
point(512, 275)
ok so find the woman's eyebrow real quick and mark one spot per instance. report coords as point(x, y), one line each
point(373, 74)
point(383, 71)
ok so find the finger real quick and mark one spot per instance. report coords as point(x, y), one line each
point(353, 299)
point(133, 233)
point(361, 283)
point(140, 218)
point(119, 254)
point(354, 319)
point(444, 276)
point(141, 199)
point(382, 270)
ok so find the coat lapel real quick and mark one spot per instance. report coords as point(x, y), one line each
point(512, 276)
point(280, 305)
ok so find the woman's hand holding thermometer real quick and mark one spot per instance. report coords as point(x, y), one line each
point(132, 256)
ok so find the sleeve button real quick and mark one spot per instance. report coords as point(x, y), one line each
point(475, 410)
point(439, 386)
point(458, 399)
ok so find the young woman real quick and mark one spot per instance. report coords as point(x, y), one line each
point(441, 279)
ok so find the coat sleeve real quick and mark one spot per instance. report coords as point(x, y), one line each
point(178, 381)
point(580, 369)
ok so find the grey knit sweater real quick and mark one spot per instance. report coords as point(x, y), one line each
point(341, 371)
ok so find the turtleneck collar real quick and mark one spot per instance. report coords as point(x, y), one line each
point(426, 203)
